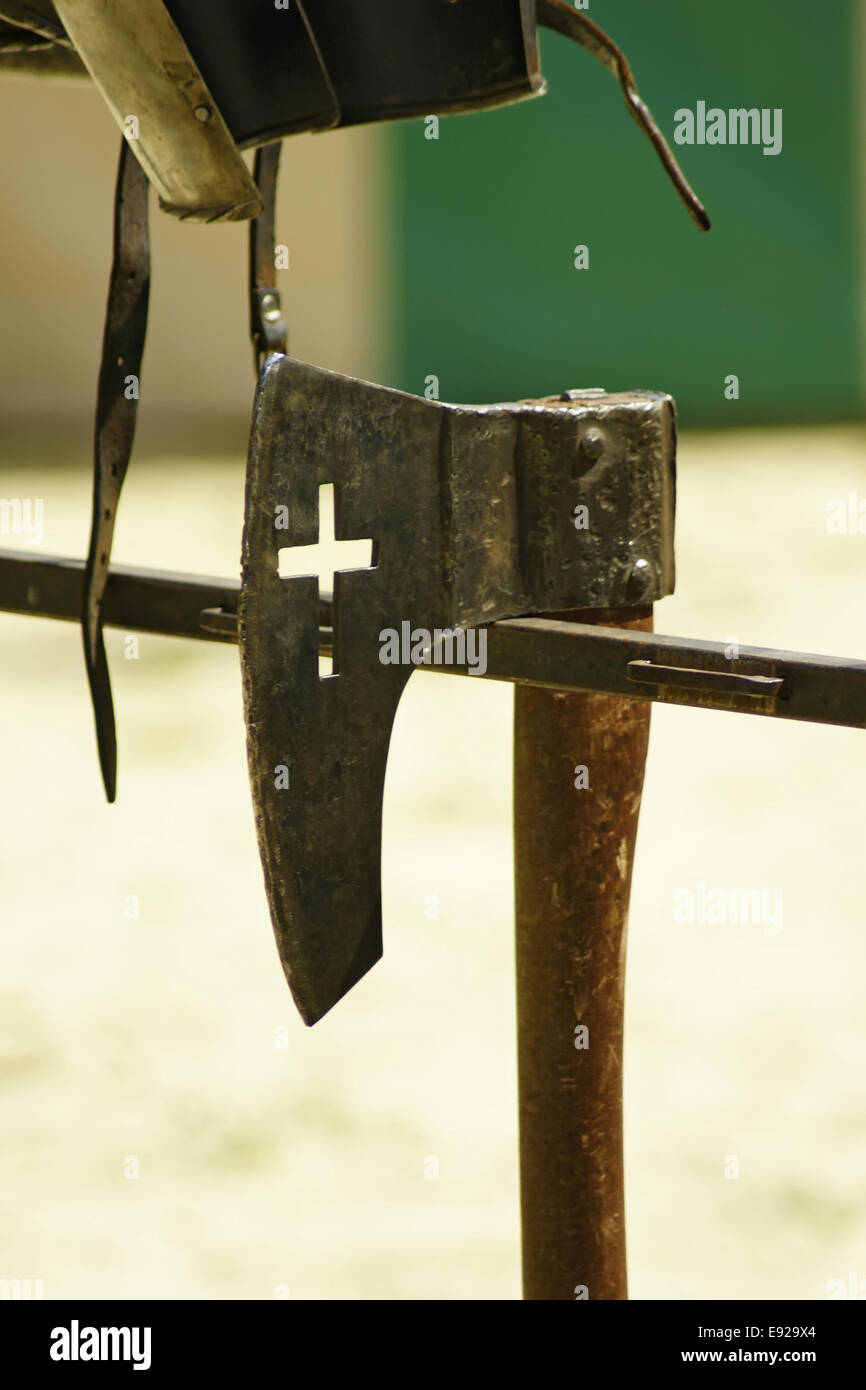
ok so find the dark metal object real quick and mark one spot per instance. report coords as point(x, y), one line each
point(116, 408)
point(311, 66)
point(267, 325)
point(548, 653)
point(573, 855)
point(817, 689)
point(350, 62)
point(119, 387)
point(472, 512)
point(691, 678)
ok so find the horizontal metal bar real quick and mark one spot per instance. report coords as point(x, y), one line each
point(143, 600)
point(526, 651)
point(580, 656)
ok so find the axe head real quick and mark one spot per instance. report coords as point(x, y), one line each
point(473, 514)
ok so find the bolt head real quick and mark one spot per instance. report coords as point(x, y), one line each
point(592, 445)
point(640, 580)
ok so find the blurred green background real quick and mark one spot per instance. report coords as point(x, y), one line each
point(489, 299)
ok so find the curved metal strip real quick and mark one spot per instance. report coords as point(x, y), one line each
point(116, 409)
point(267, 325)
point(557, 15)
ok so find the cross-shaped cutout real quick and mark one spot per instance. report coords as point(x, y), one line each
point(320, 561)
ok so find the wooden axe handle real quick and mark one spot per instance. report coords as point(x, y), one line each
point(574, 849)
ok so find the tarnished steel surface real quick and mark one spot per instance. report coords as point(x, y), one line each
point(343, 62)
point(574, 851)
point(471, 512)
point(481, 511)
point(524, 651)
point(263, 65)
point(140, 63)
point(268, 71)
point(116, 410)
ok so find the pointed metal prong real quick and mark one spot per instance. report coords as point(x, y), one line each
point(116, 407)
point(268, 329)
point(564, 19)
point(103, 710)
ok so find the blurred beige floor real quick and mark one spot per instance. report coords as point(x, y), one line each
point(301, 1170)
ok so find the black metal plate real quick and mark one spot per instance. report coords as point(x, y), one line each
point(341, 62)
point(261, 64)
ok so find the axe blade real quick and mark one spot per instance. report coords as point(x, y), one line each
point(471, 512)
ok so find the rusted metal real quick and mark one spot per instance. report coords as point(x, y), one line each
point(116, 411)
point(543, 652)
point(472, 514)
point(578, 774)
point(578, 656)
point(119, 389)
